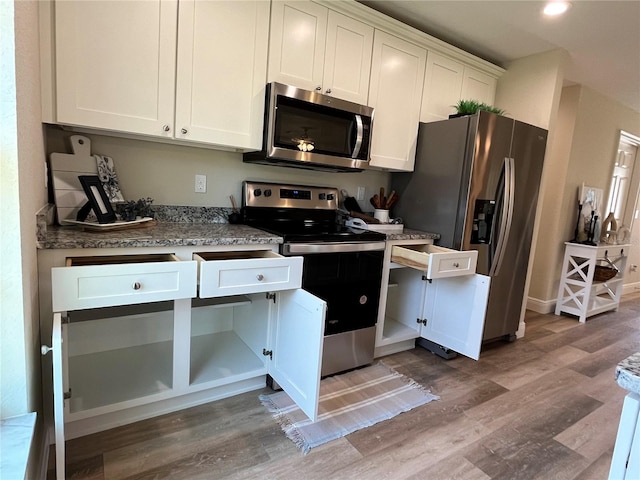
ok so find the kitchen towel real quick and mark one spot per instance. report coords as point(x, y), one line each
point(348, 402)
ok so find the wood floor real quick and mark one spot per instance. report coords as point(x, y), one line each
point(543, 407)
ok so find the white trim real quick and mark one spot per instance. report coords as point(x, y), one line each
point(541, 306)
point(629, 288)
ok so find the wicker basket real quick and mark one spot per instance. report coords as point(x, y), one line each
point(604, 273)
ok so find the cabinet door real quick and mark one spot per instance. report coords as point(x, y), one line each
point(347, 63)
point(58, 393)
point(478, 86)
point(115, 65)
point(222, 71)
point(442, 87)
point(455, 310)
point(296, 342)
point(397, 78)
point(297, 43)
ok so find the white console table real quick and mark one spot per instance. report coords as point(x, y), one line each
point(579, 293)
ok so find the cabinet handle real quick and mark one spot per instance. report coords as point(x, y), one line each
point(137, 286)
point(184, 131)
point(44, 349)
point(318, 88)
point(456, 265)
point(260, 277)
point(328, 91)
point(166, 128)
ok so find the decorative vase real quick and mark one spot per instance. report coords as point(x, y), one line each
point(609, 229)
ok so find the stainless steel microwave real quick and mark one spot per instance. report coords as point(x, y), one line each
point(310, 130)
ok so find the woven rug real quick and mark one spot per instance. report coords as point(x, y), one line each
point(348, 402)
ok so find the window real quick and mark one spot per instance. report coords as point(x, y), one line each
point(625, 181)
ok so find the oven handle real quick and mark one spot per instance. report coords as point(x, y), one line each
point(328, 247)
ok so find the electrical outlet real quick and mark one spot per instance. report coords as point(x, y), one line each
point(633, 268)
point(360, 194)
point(201, 184)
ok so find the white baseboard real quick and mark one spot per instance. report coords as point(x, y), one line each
point(541, 306)
point(549, 306)
point(631, 288)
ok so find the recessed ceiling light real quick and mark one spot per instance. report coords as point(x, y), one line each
point(556, 8)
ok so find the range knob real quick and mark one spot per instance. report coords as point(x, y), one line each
point(330, 196)
point(322, 196)
point(257, 192)
point(267, 192)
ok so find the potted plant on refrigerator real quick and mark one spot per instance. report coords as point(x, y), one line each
point(470, 107)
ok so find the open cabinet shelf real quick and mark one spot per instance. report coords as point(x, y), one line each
point(114, 376)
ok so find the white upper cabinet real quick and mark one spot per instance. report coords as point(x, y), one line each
point(347, 65)
point(442, 87)
point(314, 48)
point(133, 79)
point(479, 86)
point(221, 72)
point(115, 64)
point(397, 78)
point(448, 81)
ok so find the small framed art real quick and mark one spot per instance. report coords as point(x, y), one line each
point(98, 199)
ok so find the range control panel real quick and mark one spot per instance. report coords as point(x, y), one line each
point(277, 195)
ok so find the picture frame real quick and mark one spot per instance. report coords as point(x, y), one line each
point(98, 199)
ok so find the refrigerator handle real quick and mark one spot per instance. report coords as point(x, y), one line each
point(507, 215)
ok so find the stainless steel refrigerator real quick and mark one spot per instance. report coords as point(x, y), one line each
point(476, 183)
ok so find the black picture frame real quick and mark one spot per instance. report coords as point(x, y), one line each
point(98, 199)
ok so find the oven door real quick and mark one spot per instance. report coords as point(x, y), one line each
point(345, 275)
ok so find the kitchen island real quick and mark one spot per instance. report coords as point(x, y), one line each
point(625, 463)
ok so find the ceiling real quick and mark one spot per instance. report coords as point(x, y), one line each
point(602, 37)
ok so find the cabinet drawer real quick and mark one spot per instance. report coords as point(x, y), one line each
point(92, 282)
point(236, 273)
point(437, 262)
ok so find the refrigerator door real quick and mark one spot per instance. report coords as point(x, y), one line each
point(433, 196)
point(508, 278)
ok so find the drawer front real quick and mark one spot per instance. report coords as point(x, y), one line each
point(82, 287)
point(452, 264)
point(219, 278)
point(435, 261)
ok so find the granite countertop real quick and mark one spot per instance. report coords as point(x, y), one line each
point(175, 226)
point(628, 373)
point(159, 235)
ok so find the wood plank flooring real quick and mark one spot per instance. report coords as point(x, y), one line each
point(543, 407)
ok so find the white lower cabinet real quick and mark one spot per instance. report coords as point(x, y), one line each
point(433, 293)
point(152, 344)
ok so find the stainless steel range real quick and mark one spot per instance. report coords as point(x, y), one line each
point(343, 266)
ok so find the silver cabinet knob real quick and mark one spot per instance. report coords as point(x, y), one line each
point(456, 265)
point(137, 286)
point(184, 131)
point(260, 277)
point(318, 88)
point(328, 90)
point(166, 128)
point(44, 349)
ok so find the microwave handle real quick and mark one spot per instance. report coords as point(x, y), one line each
point(359, 137)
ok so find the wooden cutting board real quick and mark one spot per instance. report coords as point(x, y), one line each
point(65, 168)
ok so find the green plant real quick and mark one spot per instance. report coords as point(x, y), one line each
point(469, 107)
point(131, 209)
